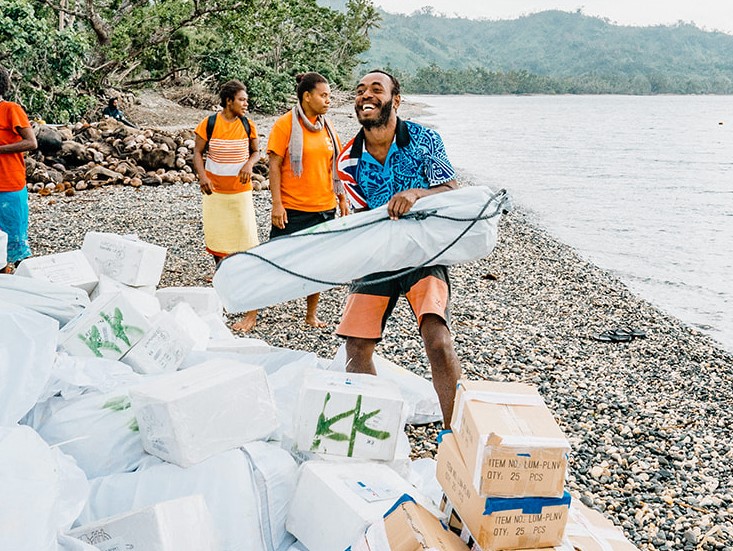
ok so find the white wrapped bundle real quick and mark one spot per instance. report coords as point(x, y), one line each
point(350, 247)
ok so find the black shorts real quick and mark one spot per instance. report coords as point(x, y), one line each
point(301, 220)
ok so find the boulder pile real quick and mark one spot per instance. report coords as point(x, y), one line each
point(89, 155)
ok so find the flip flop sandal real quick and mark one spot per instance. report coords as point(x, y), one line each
point(634, 332)
point(613, 335)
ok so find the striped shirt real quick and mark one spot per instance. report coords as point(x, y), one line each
point(228, 151)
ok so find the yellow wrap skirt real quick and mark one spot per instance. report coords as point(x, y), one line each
point(230, 225)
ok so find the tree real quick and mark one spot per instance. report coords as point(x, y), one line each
point(45, 63)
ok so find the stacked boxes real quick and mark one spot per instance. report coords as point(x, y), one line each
point(499, 523)
point(503, 467)
point(510, 441)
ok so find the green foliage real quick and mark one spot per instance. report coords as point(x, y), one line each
point(550, 52)
point(114, 44)
point(267, 47)
point(45, 63)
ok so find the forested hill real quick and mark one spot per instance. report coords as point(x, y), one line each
point(550, 52)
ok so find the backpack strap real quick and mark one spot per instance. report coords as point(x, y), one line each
point(247, 126)
point(211, 121)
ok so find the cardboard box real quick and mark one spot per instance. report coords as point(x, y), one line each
point(68, 268)
point(107, 328)
point(499, 523)
point(162, 349)
point(183, 524)
point(188, 416)
point(334, 503)
point(408, 527)
point(203, 300)
point(509, 440)
point(349, 414)
point(124, 258)
point(455, 525)
point(589, 530)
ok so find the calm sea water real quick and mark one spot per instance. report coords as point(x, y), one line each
point(642, 186)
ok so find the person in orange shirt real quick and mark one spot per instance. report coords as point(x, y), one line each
point(231, 148)
point(16, 137)
point(303, 148)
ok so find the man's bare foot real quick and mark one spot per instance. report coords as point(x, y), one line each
point(313, 321)
point(247, 323)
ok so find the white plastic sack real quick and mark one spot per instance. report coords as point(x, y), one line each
point(246, 491)
point(418, 393)
point(374, 244)
point(61, 302)
point(74, 376)
point(98, 430)
point(27, 354)
point(43, 491)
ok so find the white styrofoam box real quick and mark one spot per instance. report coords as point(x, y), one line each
point(418, 392)
point(162, 349)
point(182, 524)
point(203, 300)
point(351, 414)
point(107, 328)
point(188, 416)
point(335, 502)
point(142, 298)
point(239, 345)
point(3, 249)
point(192, 324)
point(401, 464)
point(218, 329)
point(124, 258)
point(68, 268)
point(247, 490)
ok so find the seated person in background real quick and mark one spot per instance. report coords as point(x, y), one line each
point(113, 110)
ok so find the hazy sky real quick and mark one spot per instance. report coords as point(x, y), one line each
point(708, 14)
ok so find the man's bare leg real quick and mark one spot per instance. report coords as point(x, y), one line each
point(359, 354)
point(311, 317)
point(247, 323)
point(444, 362)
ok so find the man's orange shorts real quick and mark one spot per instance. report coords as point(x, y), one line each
point(369, 305)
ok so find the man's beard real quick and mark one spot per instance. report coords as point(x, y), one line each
point(384, 112)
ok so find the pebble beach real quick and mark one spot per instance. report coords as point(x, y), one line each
point(650, 420)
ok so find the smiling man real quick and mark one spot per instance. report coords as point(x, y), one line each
point(396, 162)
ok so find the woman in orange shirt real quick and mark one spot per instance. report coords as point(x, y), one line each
point(232, 149)
point(303, 148)
point(16, 136)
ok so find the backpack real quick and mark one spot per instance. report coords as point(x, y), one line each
point(212, 121)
